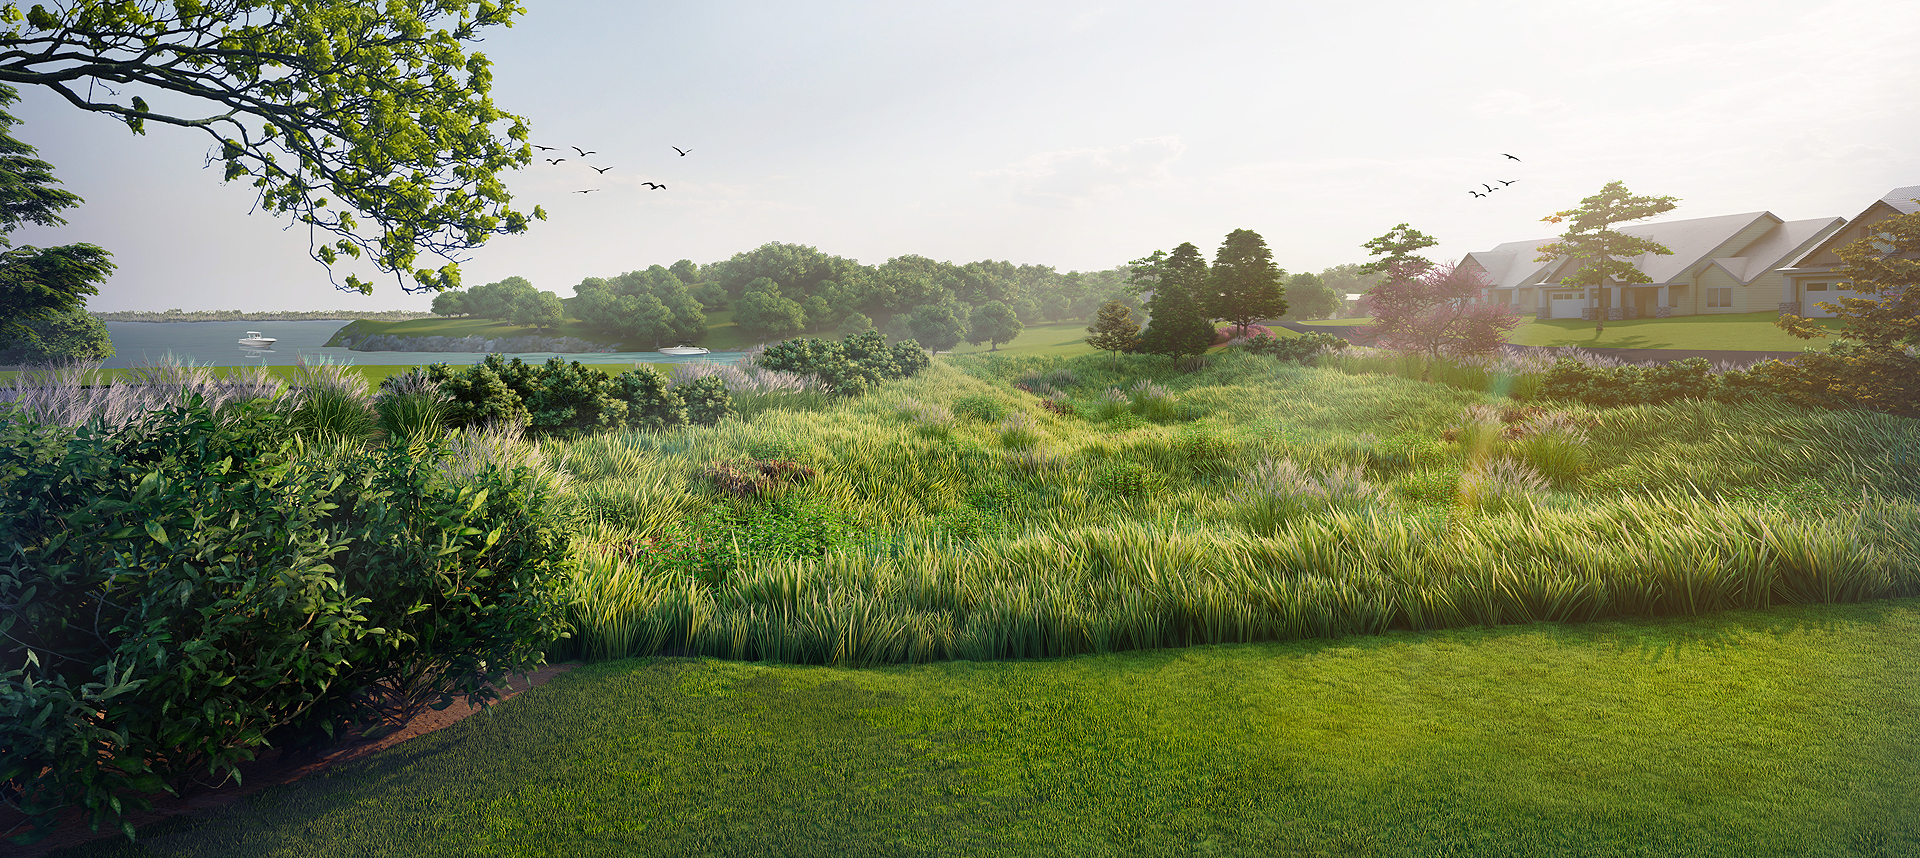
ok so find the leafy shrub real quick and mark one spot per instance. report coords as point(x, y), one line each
point(1301, 349)
point(183, 591)
point(1691, 378)
point(479, 394)
point(850, 367)
point(651, 404)
point(569, 399)
point(707, 400)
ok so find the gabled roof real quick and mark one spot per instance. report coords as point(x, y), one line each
point(1694, 242)
point(1896, 201)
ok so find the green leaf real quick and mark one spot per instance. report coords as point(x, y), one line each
point(158, 533)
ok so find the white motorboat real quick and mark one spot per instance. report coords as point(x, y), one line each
point(684, 349)
point(253, 340)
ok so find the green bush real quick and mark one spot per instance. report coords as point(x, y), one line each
point(651, 404)
point(182, 590)
point(1301, 349)
point(851, 367)
point(570, 399)
point(480, 394)
point(707, 400)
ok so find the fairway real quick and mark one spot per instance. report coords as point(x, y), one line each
point(1783, 732)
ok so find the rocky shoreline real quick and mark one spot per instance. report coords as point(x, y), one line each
point(389, 343)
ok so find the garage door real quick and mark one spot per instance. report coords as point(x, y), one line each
point(1828, 292)
point(1566, 305)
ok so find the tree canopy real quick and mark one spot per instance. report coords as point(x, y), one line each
point(1876, 363)
point(993, 322)
point(1244, 284)
point(1436, 311)
point(1178, 324)
point(38, 284)
point(335, 110)
point(1397, 247)
point(1591, 239)
point(1115, 330)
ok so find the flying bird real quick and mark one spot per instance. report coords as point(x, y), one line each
point(543, 148)
point(555, 160)
point(1510, 156)
point(583, 153)
point(683, 152)
point(1490, 188)
point(600, 169)
point(1505, 182)
point(587, 191)
point(1476, 193)
point(654, 185)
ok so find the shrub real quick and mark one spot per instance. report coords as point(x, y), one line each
point(707, 400)
point(478, 395)
point(187, 590)
point(847, 368)
point(1301, 349)
point(569, 399)
point(651, 404)
point(1691, 378)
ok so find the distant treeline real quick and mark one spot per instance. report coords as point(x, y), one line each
point(268, 316)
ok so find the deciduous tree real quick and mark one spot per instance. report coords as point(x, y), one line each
point(938, 327)
point(74, 335)
point(335, 110)
point(1876, 363)
point(763, 312)
point(1308, 297)
point(1436, 311)
point(538, 310)
point(993, 322)
point(1115, 330)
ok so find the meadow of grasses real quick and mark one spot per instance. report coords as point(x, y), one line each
point(1329, 522)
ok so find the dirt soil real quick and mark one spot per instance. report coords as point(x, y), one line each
point(266, 771)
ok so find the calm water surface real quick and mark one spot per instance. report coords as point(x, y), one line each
point(217, 344)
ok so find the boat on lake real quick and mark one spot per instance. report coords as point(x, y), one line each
point(684, 349)
point(253, 340)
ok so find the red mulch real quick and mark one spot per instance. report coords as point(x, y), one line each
point(268, 770)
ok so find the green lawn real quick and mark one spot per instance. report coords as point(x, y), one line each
point(1733, 332)
point(1785, 732)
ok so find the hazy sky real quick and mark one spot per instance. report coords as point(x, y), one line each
point(1073, 134)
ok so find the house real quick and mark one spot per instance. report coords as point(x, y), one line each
point(1812, 278)
point(1724, 264)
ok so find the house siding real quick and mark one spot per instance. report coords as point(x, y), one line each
point(1715, 277)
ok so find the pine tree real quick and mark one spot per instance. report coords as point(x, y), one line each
point(1178, 325)
point(1244, 286)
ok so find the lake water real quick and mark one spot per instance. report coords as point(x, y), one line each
point(217, 344)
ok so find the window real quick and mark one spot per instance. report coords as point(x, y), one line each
point(1565, 296)
point(1816, 287)
point(1720, 297)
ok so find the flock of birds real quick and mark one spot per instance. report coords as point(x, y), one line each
point(585, 152)
point(1490, 188)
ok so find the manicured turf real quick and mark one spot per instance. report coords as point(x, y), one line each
point(1785, 732)
point(1732, 332)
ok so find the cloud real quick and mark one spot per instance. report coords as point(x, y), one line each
point(1078, 178)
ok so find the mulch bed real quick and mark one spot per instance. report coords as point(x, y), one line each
point(270, 769)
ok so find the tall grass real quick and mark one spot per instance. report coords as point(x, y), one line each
point(1062, 591)
point(73, 394)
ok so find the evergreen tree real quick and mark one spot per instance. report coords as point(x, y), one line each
point(1115, 330)
point(1177, 324)
point(1244, 285)
point(1396, 248)
point(37, 283)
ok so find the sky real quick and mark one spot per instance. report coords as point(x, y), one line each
point(1074, 134)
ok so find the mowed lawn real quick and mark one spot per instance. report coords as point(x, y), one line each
point(1790, 731)
point(1731, 332)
